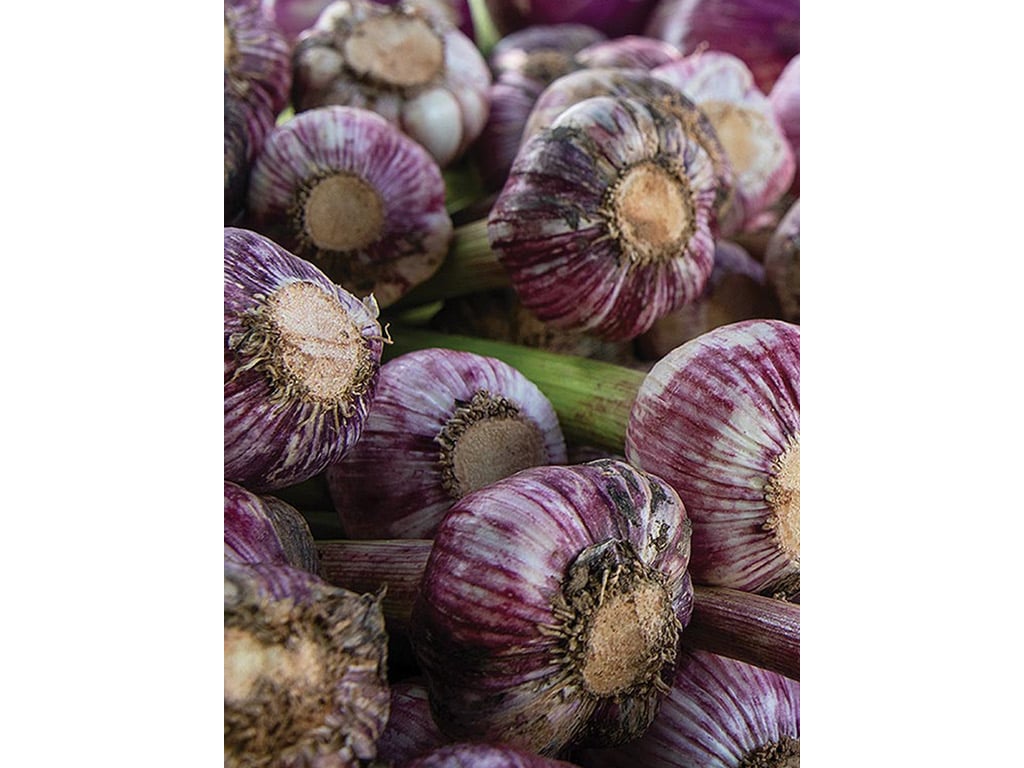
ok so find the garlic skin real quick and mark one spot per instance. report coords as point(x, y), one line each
point(737, 290)
point(542, 52)
point(629, 51)
point(301, 360)
point(435, 91)
point(443, 424)
point(762, 160)
point(765, 34)
point(305, 680)
point(294, 17)
point(343, 188)
point(718, 418)
point(411, 731)
point(248, 121)
point(257, 56)
point(720, 713)
point(605, 223)
point(785, 99)
point(641, 85)
point(612, 17)
point(561, 591)
point(263, 529)
point(782, 263)
point(469, 755)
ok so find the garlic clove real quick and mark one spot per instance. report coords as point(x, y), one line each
point(382, 58)
point(782, 263)
point(301, 360)
point(304, 670)
point(719, 419)
point(411, 731)
point(345, 189)
point(556, 588)
point(605, 223)
point(720, 713)
point(745, 123)
point(443, 424)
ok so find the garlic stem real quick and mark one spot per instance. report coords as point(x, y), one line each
point(592, 398)
point(750, 628)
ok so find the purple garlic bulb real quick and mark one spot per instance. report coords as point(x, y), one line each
point(262, 529)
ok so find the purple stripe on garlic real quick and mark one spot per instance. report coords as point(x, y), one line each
point(718, 418)
point(257, 56)
point(605, 223)
point(561, 591)
point(262, 529)
point(348, 191)
point(443, 424)
point(744, 120)
point(471, 755)
point(301, 360)
point(411, 731)
point(634, 51)
point(782, 263)
point(421, 74)
point(304, 670)
point(248, 120)
point(785, 99)
point(720, 713)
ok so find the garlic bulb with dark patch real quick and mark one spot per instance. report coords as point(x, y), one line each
point(560, 592)
point(605, 223)
point(718, 418)
point(420, 73)
point(720, 713)
point(305, 679)
point(263, 529)
point(346, 190)
point(301, 360)
point(443, 424)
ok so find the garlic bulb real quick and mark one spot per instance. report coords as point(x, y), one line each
point(257, 57)
point(782, 263)
point(421, 74)
point(720, 713)
point(634, 51)
point(411, 731)
point(304, 670)
point(762, 159)
point(785, 99)
point(718, 418)
point(301, 360)
point(262, 529)
point(346, 190)
point(443, 424)
point(605, 223)
point(638, 84)
point(561, 592)
point(247, 122)
point(764, 34)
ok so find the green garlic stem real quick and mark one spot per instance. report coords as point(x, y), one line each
point(592, 398)
point(750, 628)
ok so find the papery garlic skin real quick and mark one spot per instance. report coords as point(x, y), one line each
point(443, 424)
point(720, 713)
point(301, 360)
point(718, 418)
point(785, 99)
point(560, 591)
point(469, 755)
point(263, 529)
point(346, 190)
point(762, 160)
point(629, 51)
point(782, 263)
point(606, 220)
point(257, 56)
point(305, 680)
point(765, 34)
point(419, 73)
point(248, 121)
point(411, 731)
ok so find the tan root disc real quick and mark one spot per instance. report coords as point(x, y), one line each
point(624, 631)
point(319, 347)
point(652, 211)
point(343, 213)
point(740, 131)
point(782, 493)
point(400, 50)
point(494, 448)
